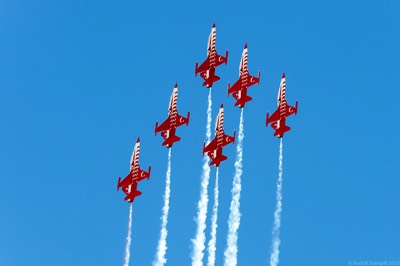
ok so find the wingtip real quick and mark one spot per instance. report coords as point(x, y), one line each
point(245, 45)
point(195, 70)
point(213, 25)
point(119, 181)
point(222, 105)
point(138, 140)
point(149, 172)
point(176, 85)
point(283, 75)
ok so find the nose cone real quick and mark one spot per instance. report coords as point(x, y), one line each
point(214, 25)
point(283, 75)
point(245, 46)
point(138, 140)
point(222, 106)
point(176, 85)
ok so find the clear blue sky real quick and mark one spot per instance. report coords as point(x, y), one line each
point(81, 80)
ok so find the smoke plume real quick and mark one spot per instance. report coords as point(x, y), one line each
point(234, 216)
point(200, 238)
point(276, 241)
point(128, 239)
point(160, 259)
point(214, 219)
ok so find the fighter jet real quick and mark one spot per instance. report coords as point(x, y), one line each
point(174, 120)
point(278, 118)
point(129, 184)
point(239, 89)
point(207, 68)
point(214, 148)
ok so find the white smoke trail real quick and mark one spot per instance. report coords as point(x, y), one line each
point(200, 239)
point(162, 242)
point(128, 239)
point(214, 219)
point(234, 216)
point(276, 241)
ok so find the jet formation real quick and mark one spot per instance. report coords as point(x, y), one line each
point(214, 148)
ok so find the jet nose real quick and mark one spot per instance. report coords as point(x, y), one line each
point(245, 46)
point(222, 106)
point(138, 140)
point(283, 75)
point(213, 25)
point(176, 85)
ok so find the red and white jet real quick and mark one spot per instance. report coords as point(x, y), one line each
point(278, 118)
point(239, 89)
point(207, 68)
point(129, 184)
point(174, 120)
point(214, 148)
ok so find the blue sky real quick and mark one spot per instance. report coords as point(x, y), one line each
point(81, 80)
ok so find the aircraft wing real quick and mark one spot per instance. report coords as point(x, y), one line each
point(291, 110)
point(204, 66)
point(211, 146)
point(126, 181)
point(229, 139)
point(143, 174)
point(164, 126)
point(274, 117)
point(180, 120)
point(251, 80)
point(220, 60)
point(235, 87)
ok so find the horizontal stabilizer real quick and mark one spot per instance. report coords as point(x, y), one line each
point(131, 196)
point(216, 161)
point(170, 141)
point(209, 81)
